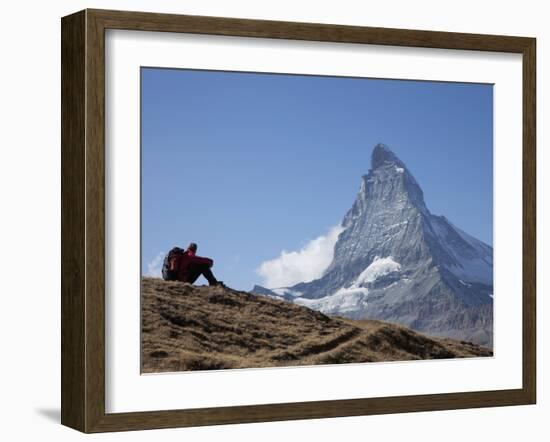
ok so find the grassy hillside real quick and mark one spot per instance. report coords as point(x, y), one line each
point(186, 327)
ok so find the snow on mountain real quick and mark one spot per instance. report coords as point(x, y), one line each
point(343, 301)
point(354, 297)
point(379, 267)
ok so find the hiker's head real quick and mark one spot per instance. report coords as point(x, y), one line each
point(192, 247)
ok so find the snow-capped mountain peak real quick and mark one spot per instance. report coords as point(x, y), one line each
point(397, 262)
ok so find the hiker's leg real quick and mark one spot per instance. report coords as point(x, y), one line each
point(195, 270)
point(192, 274)
point(207, 273)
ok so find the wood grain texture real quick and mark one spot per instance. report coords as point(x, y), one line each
point(95, 222)
point(83, 220)
point(145, 21)
point(529, 221)
point(73, 103)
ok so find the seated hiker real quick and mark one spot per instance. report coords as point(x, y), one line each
point(190, 266)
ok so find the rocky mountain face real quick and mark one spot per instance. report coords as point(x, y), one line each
point(395, 261)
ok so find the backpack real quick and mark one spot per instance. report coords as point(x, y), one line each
point(169, 274)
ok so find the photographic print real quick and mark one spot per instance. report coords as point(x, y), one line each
point(294, 220)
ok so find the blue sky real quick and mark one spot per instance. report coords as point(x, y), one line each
point(248, 165)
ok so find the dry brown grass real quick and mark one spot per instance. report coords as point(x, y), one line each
point(186, 327)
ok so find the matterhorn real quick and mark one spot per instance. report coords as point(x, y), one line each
point(397, 262)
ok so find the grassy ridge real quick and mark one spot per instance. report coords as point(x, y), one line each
point(186, 327)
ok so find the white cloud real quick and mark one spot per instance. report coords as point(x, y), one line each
point(154, 268)
point(304, 265)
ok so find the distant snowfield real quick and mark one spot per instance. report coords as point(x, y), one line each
point(285, 291)
point(349, 299)
point(344, 300)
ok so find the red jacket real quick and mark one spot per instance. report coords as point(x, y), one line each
point(182, 262)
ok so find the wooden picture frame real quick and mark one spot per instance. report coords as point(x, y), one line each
point(83, 220)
